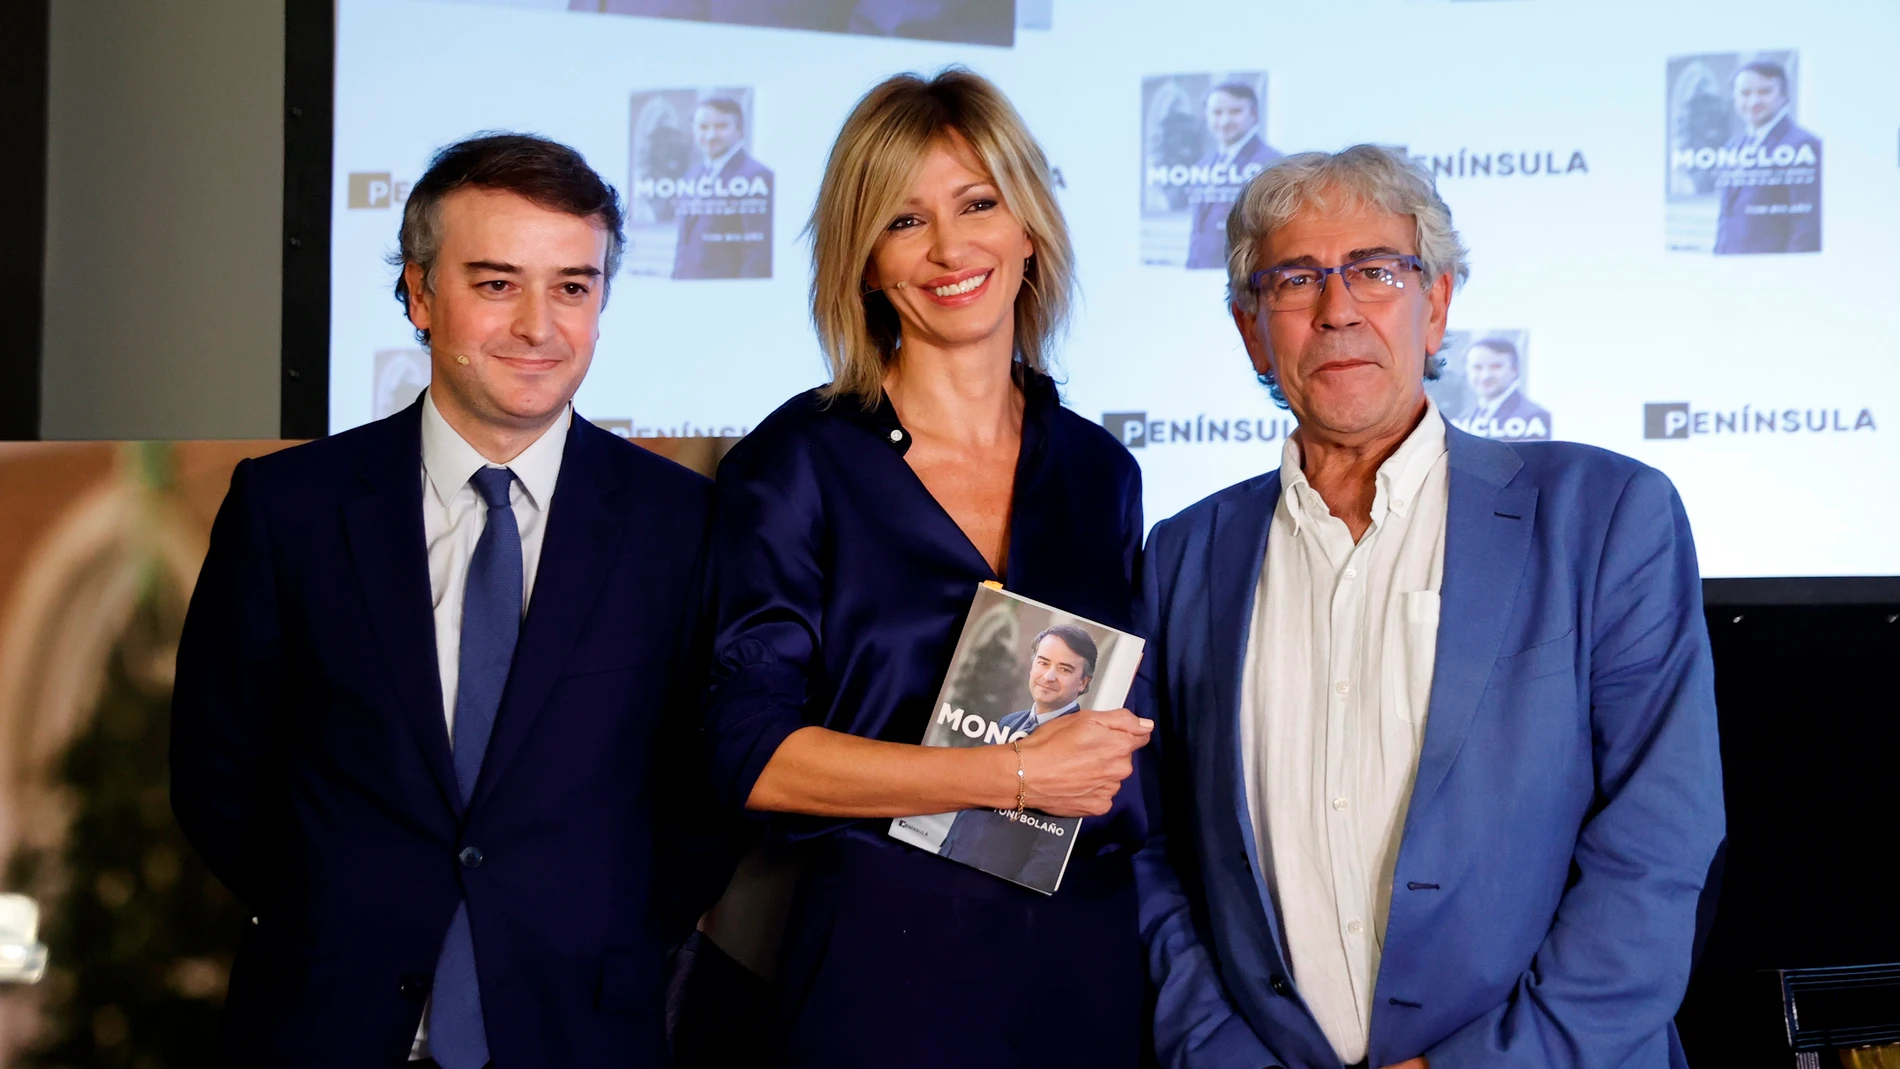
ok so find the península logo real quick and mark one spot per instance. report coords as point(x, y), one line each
point(377, 189)
point(1681, 419)
point(1136, 430)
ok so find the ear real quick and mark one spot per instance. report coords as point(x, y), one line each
point(1253, 336)
point(419, 296)
point(1437, 312)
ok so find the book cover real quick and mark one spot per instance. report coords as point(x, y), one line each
point(1020, 664)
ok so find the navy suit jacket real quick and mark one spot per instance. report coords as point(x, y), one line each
point(714, 245)
point(311, 763)
point(1771, 218)
point(1568, 797)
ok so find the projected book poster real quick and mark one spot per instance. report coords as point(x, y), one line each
point(1203, 136)
point(1744, 175)
point(1661, 202)
point(701, 204)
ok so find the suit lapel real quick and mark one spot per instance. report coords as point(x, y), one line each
point(1238, 552)
point(391, 559)
point(577, 551)
point(1487, 539)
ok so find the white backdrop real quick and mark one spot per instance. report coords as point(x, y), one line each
point(1577, 265)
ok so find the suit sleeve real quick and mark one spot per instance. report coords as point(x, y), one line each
point(767, 605)
point(1196, 1025)
point(225, 737)
point(1611, 974)
point(699, 841)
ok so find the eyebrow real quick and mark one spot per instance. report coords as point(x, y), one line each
point(1356, 254)
point(958, 193)
point(496, 267)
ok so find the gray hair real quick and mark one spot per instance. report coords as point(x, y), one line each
point(1360, 176)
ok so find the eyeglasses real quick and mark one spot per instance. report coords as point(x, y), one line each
point(1374, 278)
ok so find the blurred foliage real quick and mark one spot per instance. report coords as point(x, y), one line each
point(141, 934)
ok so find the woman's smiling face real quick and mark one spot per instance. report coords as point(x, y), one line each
point(951, 258)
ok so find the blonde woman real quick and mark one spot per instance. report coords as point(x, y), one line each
point(852, 528)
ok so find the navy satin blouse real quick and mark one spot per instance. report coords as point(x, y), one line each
point(841, 585)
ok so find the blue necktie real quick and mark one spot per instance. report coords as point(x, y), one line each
point(491, 622)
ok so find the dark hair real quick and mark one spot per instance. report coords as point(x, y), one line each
point(726, 104)
point(1076, 639)
point(1239, 91)
point(546, 172)
point(1767, 69)
point(1498, 343)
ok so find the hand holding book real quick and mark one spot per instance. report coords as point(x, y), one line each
point(1038, 687)
point(1074, 766)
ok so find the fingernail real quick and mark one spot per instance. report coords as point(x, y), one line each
point(1146, 724)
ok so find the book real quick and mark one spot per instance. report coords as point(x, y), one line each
point(1018, 665)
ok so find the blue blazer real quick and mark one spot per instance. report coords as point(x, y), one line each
point(311, 766)
point(1568, 798)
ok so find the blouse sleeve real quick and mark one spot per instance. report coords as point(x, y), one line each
point(766, 592)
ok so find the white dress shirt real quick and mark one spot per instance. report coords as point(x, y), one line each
point(453, 515)
point(1336, 683)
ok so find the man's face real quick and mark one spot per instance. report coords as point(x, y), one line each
point(1758, 97)
point(1228, 117)
point(715, 131)
point(1057, 676)
point(1352, 371)
point(1490, 372)
point(518, 292)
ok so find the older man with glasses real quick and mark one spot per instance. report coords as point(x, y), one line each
point(1436, 720)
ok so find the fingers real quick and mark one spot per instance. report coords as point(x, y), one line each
point(1123, 720)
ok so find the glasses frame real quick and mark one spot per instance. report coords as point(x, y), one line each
point(1405, 259)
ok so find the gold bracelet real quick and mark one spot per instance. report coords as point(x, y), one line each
point(1022, 785)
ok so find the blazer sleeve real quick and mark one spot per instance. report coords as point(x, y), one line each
point(1196, 1025)
point(1613, 969)
point(699, 841)
point(767, 603)
point(226, 703)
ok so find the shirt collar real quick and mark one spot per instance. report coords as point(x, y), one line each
point(1064, 711)
point(1397, 482)
point(1760, 133)
point(1490, 408)
point(451, 462)
point(718, 166)
point(1228, 153)
point(1040, 400)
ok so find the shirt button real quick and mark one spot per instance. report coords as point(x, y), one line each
point(1281, 987)
point(1398, 502)
point(897, 436)
point(1352, 573)
point(470, 857)
point(1343, 687)
point(1339, 804)
point(1355, 927)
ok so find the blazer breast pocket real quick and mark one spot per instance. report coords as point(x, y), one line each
point(1554, 657)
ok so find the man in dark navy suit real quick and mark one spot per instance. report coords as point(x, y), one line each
point(436, 678)
point(1771, 200)
point(726, 214)
point(1233, 117)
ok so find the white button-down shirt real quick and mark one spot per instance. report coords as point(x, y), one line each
point(1333, 701)
point(453, 515)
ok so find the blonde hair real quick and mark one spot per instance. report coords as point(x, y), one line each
point(870, 172)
